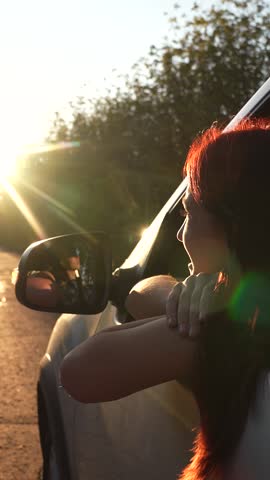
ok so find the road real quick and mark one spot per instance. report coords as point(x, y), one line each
point(24, 335)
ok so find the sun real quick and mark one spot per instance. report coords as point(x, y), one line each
point(9, 155)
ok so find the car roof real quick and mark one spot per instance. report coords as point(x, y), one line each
point(258, 105)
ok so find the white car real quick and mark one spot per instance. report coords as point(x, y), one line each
point(147, 435)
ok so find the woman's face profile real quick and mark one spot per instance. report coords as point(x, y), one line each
point(203, 237)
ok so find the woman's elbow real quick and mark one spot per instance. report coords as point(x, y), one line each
point(71, 380)
point(148, 297)
point(87, 374)
point(91, 389)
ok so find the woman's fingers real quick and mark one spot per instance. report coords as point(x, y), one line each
point(191, 301)
point(183, 314)
point(202, 279)
point(172, 304)
point(212, 300)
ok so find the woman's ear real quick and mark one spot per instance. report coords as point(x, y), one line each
point(148, 297)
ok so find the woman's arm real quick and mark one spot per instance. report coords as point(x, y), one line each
point(146, 301)
point(148, 298)
point(132, 324)
point(114, 364)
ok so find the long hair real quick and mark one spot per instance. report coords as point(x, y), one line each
point(229, 175)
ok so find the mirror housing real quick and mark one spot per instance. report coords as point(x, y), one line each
point(66, 274)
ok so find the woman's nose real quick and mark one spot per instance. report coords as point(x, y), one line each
point(179, 234)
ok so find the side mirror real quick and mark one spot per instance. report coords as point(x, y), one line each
point(66, 274)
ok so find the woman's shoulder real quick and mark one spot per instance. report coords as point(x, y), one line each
point(252, 458)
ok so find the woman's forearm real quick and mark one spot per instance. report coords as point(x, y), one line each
point(111, 365)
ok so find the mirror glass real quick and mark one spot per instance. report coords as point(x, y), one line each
point(68, 274)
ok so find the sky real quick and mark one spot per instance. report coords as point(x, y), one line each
point(52, 51)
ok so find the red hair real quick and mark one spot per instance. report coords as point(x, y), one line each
point(229, 175)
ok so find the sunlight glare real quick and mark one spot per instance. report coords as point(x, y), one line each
point(8, 160)
point(24, 208)
point(144, 232)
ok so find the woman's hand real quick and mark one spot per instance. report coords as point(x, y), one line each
point(191, 301)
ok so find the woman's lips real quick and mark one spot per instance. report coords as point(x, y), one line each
point(191, 268)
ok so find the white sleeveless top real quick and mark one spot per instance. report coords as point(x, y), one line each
point(252, 458)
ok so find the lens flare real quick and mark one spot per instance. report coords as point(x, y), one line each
point(8, 162)
point(250, 303)
point(24, 208)
point(12, 162)
point(143, 232)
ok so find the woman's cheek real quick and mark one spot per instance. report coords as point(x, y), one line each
point(196, 249)
point(188, 243)
point(191, 241)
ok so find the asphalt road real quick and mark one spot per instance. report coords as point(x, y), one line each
point(24, 335)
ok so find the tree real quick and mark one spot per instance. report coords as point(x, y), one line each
point(208, 68)
point(205, 70)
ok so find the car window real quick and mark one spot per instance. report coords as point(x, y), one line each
point(142, 250)
point(168, 255)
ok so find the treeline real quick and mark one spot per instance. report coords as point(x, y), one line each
point(133, 141)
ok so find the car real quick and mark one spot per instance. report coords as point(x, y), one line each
point(149, 434)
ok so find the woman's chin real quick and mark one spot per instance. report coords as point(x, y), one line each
point(196, 269)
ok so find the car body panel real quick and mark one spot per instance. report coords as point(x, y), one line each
point(144, 435)
point(161, 419)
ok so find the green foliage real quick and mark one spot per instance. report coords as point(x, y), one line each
point(207, 69)
point(138, 134)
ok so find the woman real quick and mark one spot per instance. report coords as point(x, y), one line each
point(228, 176)
point(225, 234)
